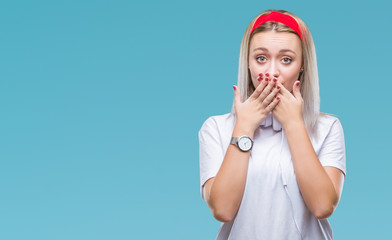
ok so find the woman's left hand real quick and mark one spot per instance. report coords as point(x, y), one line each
point(289, 108)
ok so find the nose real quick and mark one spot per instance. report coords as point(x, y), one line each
point(273, 70)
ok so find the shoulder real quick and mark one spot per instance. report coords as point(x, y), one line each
point(326, 121)
point(219, 121)
point(327, 126)
point(218, 125)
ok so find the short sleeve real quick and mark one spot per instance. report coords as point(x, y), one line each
point(333, 151)
point(210, 151)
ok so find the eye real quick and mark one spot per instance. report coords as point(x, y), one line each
point(287, 60)
point(261, 59)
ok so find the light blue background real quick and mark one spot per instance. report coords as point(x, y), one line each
point(101, 102)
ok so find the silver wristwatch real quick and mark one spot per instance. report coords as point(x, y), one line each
point(244, 143)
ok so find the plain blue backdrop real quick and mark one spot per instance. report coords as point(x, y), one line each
point(101, 103)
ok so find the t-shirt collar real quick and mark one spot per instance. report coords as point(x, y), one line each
point(271, 121)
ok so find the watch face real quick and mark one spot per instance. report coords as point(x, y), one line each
point(245, 144)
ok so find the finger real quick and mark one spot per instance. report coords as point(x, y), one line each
point(267, 90)
point(237, 95)
point(260, 88)
point(285, 92)
point(271, 97)
point(296, 90)
point(283, 89)
point(273, 104)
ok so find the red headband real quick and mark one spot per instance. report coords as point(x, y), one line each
point(275, 16)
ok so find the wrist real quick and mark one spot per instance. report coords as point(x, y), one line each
point(293, 125)
point(241, 129)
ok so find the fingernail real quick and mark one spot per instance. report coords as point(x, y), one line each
point(297, 84)
point(267, 74)
point(234, 88)
point(275, 79)
point(277, 98)
point(258, 79)
point(266, 79)
point(278, 87)
point(260, 74)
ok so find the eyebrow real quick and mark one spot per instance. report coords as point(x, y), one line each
point(266, 50)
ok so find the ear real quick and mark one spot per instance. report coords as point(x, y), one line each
point(300, 73)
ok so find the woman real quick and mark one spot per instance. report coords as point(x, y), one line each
point(274, 167)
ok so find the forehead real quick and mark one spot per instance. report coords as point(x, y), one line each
point(275, 41)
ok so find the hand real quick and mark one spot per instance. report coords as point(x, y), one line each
point(289, 109)
point(257, 107)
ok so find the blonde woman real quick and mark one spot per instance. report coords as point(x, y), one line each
point(274, 167)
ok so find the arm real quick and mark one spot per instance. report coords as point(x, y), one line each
point(224, 193)
point(321, 187)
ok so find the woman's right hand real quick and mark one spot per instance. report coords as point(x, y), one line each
point(256, 108)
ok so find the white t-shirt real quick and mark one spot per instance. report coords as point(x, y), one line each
point(272, 206)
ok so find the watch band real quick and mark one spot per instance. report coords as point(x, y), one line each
point(234, 140)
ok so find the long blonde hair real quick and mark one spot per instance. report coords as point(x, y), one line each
point(309, 78)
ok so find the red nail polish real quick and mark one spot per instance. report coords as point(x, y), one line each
point(258, 79)
point(267, 74)
point(266, 79)
point(234, 88)
point(260, 74)
point(277, 98)
point(297, 84)
point(278, 87)
point(275, 79)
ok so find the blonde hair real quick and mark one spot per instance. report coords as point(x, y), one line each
point(309, 77)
